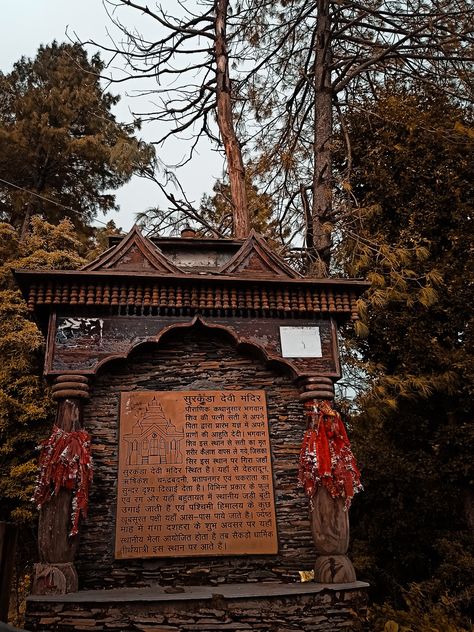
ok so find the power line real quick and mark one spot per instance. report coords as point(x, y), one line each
point(42, 197)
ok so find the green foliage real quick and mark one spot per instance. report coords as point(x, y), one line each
point(420, 614)
point(100, 239)
point(25, 407)
point(214, 216)
point(413, 176)
point(21, 590)
point(410, 236)
point(60, 140)
point(217, 208)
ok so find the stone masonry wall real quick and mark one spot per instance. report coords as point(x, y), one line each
point(325, 611)
point(193, 360)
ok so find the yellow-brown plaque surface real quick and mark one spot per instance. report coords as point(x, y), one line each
point(195, 475)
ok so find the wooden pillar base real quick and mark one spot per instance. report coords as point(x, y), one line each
point(54, 579)
point(334, 569)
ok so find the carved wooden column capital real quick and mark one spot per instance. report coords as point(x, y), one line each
point(316, 387)
point(70, 387)
point(55, 573)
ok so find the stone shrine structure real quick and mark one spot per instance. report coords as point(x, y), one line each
point(185, 364)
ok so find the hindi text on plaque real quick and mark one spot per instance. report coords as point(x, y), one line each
point(195, 475)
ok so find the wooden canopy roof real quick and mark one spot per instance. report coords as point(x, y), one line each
point(138, 276)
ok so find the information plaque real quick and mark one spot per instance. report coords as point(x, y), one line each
point(195, 475)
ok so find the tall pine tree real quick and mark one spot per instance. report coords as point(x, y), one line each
point(60, 141)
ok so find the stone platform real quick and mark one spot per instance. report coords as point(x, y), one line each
point(266, 607)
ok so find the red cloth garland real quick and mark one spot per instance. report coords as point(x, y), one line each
point(326, 457)
point(65, 462)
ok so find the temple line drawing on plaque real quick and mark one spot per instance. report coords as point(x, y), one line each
point(154, 438)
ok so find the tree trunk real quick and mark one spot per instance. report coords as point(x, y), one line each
point(322, 182)
point(38, 188)
point(225, 122)
point(8, 538)
point(25, 223)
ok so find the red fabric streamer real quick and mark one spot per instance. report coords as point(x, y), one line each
point(326, 457)
point(65, 462)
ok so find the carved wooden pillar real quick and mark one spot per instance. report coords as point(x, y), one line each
point(55, 573)
point(328, 516)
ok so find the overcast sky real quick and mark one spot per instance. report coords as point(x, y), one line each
point(25, 24)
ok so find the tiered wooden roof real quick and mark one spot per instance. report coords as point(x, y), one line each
point(170, 276)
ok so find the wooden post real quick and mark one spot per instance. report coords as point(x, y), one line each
point(328, 517)
point(8, 535)
point(55, 573)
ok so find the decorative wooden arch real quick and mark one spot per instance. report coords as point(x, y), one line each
point(240, 344)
